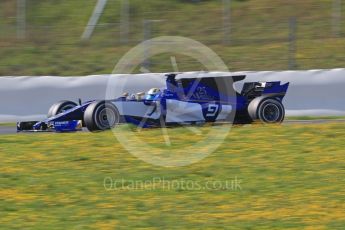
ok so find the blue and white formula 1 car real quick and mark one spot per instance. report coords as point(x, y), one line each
point(184, 100)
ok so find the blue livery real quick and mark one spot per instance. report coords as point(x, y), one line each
point(184, 100)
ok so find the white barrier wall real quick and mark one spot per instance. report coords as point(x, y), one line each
point(311, 93)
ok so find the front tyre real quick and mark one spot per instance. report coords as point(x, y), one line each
point(60, 107)
point(101, 115)
point(268, 110)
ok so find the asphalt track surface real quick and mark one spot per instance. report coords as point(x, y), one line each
point(7, 130)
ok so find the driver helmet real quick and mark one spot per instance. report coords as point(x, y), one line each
point(151, 94)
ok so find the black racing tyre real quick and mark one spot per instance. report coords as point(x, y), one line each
point(267, 110)
point(101, 115)
point(60, 107)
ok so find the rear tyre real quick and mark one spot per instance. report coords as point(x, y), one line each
point(268, 110)
point(60, 107)
point(101, 115)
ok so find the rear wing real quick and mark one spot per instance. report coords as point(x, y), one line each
point(172, 80)
point(172, 77)
point(257, 89)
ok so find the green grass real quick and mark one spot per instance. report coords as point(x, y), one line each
point(290, 177)
point(8, 124)
point(307, 118)
point(259, 35)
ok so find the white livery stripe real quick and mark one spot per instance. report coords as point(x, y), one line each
point(180, 111)
point(225, 112)
point(138, 109)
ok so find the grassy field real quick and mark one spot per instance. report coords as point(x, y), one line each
point(258, 38)
point(289, 176)
point(308, 118)
point(6, 124)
